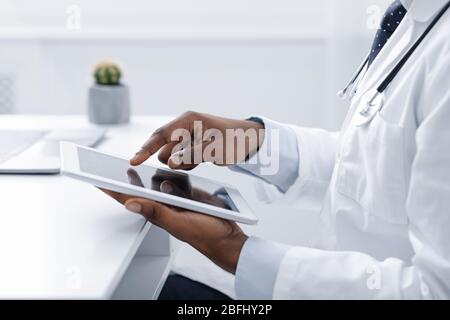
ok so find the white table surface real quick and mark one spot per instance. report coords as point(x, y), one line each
point(61, 238)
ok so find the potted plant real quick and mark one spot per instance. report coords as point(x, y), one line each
point(109, 100)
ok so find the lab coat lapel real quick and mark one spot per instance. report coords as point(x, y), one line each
point(423, 10)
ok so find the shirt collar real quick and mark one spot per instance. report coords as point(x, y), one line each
point(423, 10)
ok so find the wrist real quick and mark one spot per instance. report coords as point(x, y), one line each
point(226, 253)
point(235, 248)
point(258, 125)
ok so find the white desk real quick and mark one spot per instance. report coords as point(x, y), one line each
point(60, 238)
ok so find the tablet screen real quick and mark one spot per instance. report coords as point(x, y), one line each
point(167, 181)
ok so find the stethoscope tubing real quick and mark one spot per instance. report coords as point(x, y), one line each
point(343, 93)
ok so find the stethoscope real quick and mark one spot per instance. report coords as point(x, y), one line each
point(375, 99)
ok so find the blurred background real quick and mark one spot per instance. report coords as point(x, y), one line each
point(284, 59)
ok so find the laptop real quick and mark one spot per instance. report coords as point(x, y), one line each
point(37, 151)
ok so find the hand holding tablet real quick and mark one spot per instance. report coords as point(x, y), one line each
point(169, 199)
point(196, 210)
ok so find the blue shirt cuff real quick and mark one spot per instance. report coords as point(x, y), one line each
point(257, 268)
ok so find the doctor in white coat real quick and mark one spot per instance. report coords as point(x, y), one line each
point(384, 181)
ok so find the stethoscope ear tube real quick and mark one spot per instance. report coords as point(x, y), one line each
point(343, 94)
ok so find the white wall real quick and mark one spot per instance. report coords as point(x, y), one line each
point(163, 17)
point(281, 58)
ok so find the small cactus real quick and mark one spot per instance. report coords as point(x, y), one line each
point(107, 73)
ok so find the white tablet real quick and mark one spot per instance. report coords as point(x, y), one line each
point(163, 185)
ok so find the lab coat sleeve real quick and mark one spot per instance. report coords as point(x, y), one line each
point(312, 273)
point(257, 268)
point(298, 161)
point(275, 163)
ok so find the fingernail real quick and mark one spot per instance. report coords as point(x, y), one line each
point(133, 207)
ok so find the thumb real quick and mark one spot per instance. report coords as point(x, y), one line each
point(171, 188)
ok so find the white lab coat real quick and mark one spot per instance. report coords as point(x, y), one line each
point(385, 186)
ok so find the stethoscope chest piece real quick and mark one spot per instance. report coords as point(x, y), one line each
point(370, 104)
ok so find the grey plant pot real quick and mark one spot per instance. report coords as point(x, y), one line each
point(109, 104)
